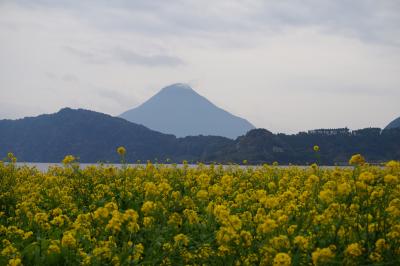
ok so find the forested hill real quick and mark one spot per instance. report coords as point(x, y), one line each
point(89, 135)
point(94, 137)
point(260, 146)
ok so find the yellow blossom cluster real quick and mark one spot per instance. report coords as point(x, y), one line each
point(201, 215)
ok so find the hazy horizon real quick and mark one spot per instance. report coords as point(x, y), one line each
point(282, 65)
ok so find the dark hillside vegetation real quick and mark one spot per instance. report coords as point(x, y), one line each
point(94, 137)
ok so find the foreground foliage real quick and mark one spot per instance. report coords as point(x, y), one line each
point(204, 215)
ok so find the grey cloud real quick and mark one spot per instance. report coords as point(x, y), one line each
point(329, 88)
point(8, 26)
point(70, 78)
point(14, 110)
point(350, 90)
point(115, 96)
point(51, 75)
point(364, 19)
point(66, 77)
point(130, 57)
point(88, 57)
point(117, 35)
point(367, 20)
point(125, 56)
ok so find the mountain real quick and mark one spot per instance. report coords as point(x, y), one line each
point(260, 146)
point(394, 124)
point(179, 110)
point(89, 135)
point(257, 146)
point(94, 137)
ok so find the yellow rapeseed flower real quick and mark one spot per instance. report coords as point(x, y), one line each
point(68, 240)
point(381, 245)
point(391, 179)
point(14, 262)
point(344, 189)
point(27, 235)
point(148, 221)
point(175, 219)
point(268, 226)
point(282, 259)
point(181, 239)
point(354, 250)
point(202, 194)
point(393, 164)
point(226, 234)
point(68, 159)
point(101, 213)
point(11, 157)
point(327, 195)
point(260, 215)
point(138, 251)
point(54, 247)
point(302, 242)
point(191, 216)
point(375, 257)
point(9, 250)
point(148, 207)
point(322, 256)
point(280, 242)
point(115, 223)
point(367, 177)
point(235, 222)
point(247, 238)
point(357, 159)
point(121, 150)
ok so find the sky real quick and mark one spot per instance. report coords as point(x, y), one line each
point(286, 66)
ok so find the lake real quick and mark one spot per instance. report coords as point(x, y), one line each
point(45, 166)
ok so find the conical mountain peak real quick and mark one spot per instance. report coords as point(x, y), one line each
point(177, 90)
point(177, 87)
point(177, 109)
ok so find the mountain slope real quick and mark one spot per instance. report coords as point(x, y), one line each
point(394, 124)
point(94, 137)
point(89, 135)
point(179, 110)
point(260, 146)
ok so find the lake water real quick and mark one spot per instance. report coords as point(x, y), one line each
point(45, 166)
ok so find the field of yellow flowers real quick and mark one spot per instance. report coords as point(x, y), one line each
point(204, 215)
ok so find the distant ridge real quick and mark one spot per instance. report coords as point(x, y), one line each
point(91, 136)
point(394, 124)
point(94, 137)
point(177, 109)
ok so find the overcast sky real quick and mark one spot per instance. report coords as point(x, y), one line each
point(283, 65)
